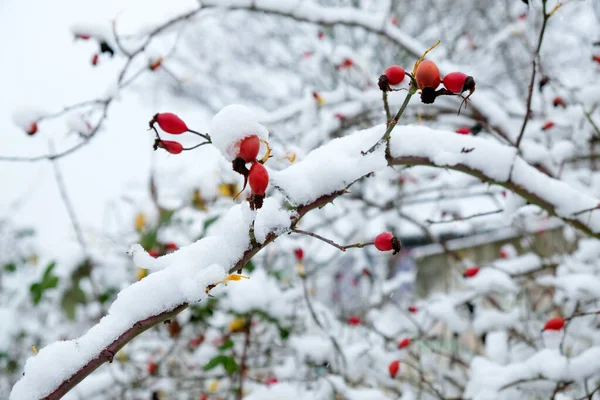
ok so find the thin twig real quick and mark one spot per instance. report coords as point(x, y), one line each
point(533, 72)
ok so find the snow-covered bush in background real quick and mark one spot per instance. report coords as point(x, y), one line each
point(287, 298)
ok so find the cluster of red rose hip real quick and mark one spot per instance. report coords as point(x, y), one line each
point(257, 176)
point(427, 78)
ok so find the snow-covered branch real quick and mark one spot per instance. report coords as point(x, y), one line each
point(498, 164)
point(181, 278)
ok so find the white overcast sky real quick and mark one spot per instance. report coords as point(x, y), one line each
point(41, 66)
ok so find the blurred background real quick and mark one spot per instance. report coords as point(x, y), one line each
point(85, 184)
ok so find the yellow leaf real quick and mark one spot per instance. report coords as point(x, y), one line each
point(198, 202)
point(213, 385)
point(122, 356)
point(228, 189)
point(34, 349)
point(140, 221)
point(141, 274)
point(300, 269)
point(237, 324)
point(235, 277)
point(290, 156)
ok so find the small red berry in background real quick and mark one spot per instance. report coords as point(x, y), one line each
point(170, 146)
point(299, 253)
point(463, 130)
point(154, 65)
point(169, 123)
point(320, 35)
point(258, 178)
point(153, 253)
point(558, 101)
point(471, 272)
point(354, 320)
point(171, 246)
point(547, 125)
point(554, 324)
point(347, 63)
point(393, 368)
point(395, 74)
point(503, 253)
point(203, 397)
point(340, 116)
point(197, 341)
point(596, 58)
point(152, 368)
point(385, 241)
point(394, 21)
point(271, 381)
point(95, 58)
point(428, 75)
point(249, 147)
point(413, 309)
point(404, 343)
point(32, 130)
point(82, 36)
point(523, 16)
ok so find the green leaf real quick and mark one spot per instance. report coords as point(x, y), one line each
point(11, 267)
point(36, 292)
point(227, 345)
point(70, 299)
point(107, 295)
point(284, 333)
point(230, 365)
point(210, 221)
point(50, 283)
point(249, 267)
point(148, 240)
point(165, 216)
point(215, 361)
point(48, 271)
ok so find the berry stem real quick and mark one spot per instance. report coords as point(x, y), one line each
point(203, 135)
point(331, 242)
point(386, 107)
point(196, 146)
point(393, 122)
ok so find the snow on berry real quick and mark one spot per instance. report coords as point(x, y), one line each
point(249, 147)
point(89, 31)
point(27, 119)
point(232, 124)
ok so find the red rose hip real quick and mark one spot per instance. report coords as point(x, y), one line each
point(249, 147)
point(428, 75)
point(554, 324)
point(169, 123)
point(386, 241)
point(471, 272)
point(170, 146)
point(258, 178)
point(393, 368)
point(395, 74)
